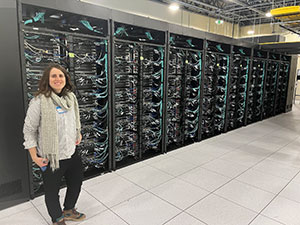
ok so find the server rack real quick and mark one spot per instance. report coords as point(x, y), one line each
point(184, 88)
point(238, 85)
point(256, 86)
point(138, 90)
point(215, 84)
point(282, 84)
point(271, 77)
point(80, 44)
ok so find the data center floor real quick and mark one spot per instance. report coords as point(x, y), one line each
point(247, 176)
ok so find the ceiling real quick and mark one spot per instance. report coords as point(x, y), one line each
point(244, 12)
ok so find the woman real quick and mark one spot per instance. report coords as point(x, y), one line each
point(51, 133)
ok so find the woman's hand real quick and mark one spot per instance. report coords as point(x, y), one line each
point(41, 162)
point(79, 140)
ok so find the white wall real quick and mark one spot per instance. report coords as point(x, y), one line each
point(161, 12)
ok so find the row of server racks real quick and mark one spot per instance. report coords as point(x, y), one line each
point(144, 92)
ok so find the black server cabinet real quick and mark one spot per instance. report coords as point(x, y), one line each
point(238, 85)
point(256, 86)
point(138, 90)
point(271, 77)
point(215, 84)
point(14, 173)
point(184, 88)
point(282, 84)
point(80, 44)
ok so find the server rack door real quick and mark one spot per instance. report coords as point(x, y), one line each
point(256, 87)
point(270, 85)
point(215, 88)
point(238, 84)
point(184, 82)
point(138, 73)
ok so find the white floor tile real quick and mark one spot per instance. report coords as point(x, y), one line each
point(284, 211)
point(15, 209)
point(263, 181)
point(106, 217)
point(262, 220)
point(194, 157)
point(179, 193)
point(255, 150)
point(205, 179)
point(214, 149)
point(245, 195)
point(276, 169)
point(98, 179)
point(155, 159)
point(242, 158)
point(146, 209)
point(173, 166)
point(30, 216)
point(297, 179)
point(148, 177)
point(114, 191)
point(214, 210)
point(287, 159)
point(226, 168)
point(184, 219)
point(130, 168)
point(292, 191)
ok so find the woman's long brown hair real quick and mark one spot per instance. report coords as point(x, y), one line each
point(44, 86)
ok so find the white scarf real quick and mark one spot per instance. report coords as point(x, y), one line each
point(49, 133)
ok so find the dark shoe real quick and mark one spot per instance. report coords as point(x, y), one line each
point(73, 215)
point(60, 221)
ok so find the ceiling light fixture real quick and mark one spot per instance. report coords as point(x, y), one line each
point(268, 14)
point(250, 32)
point(174, 7)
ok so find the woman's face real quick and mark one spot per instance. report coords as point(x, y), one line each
point(57, 80)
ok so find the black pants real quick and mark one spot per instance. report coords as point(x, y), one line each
point(71, 169)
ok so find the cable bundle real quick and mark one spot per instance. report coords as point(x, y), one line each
point(215, 90)
point(256, 87)
point(126, 99)
point(282, 86)
point(270, 85)
point(152, 83)
point(238, 87)
point(91, 79)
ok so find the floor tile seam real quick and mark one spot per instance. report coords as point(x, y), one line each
point(236, 203)
point(173, 177)
point(100, 181)
point(109, 207)
point(148, 191)
point(181, 210)
point(23, 210)
point(118, 216)
point(196, 166)
point(97, 214)
point(189, 215)
point(251, 167)
point(41, 214)
point(277, 195)
point(223, 199)
point(256, 187)
point(266, 217)
point(284, 164)
point(210, 192)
